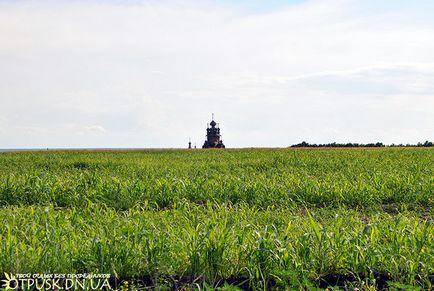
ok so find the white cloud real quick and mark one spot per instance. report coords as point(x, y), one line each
point(97, 129)
point(149, 73)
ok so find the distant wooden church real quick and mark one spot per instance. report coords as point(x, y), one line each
point(213, 137)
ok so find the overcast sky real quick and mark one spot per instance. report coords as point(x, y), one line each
point(105, 73)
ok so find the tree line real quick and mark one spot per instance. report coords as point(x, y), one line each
point(355, 145)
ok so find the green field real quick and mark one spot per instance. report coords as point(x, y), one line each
point(256, 218)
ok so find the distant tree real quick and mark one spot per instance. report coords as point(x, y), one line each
point(428, 144)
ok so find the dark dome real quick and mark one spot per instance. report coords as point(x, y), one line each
point(213, 123)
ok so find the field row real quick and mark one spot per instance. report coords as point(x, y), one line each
point(168, 192)
point(281, 248)
point(283, 178)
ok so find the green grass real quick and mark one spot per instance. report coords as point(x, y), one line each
point(256, 217)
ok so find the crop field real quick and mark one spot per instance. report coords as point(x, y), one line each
point(248, 218)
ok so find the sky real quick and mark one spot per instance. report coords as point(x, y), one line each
point(149, 74)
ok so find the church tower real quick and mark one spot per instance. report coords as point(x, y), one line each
point(213, 137)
